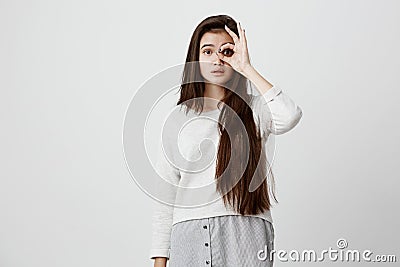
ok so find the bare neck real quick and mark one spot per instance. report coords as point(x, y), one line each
point(215, 92)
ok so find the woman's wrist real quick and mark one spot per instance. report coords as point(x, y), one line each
point(248, 70)
point(257, 79)
point(160, 262)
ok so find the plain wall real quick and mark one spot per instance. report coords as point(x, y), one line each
point(70, 68)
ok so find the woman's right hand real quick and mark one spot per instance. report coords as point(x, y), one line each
point(160, 262)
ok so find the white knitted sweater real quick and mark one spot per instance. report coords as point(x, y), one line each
point(188, 162)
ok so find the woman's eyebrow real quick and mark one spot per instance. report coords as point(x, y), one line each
point(204, 45)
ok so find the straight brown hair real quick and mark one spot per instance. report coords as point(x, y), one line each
point(235, 147)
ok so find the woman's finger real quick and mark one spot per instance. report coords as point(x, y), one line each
point(227, 45)
point(242, 36)
point(244, 40)
point(239, 27)
point(226, 59)
point(231, 33)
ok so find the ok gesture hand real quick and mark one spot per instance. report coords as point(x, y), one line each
point(240, 60)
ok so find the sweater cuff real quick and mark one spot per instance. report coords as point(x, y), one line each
point(159, 252)
point(271, 93)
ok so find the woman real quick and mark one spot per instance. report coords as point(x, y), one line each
point(225, 217)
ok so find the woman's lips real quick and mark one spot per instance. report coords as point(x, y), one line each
point(218, 72)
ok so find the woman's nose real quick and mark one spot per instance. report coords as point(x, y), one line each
point(217, 59)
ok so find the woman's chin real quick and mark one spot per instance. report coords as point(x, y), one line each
point(217, 80)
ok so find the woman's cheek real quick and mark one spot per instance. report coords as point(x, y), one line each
point(229, 72)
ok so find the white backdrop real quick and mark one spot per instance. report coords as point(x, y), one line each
point(70, 68)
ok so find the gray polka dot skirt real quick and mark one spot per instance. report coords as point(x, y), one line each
point(222, 241)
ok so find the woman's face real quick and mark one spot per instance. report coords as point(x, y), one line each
point(212, 68)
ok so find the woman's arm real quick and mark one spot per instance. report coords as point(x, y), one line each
point(166, 188)
point(276, 111)
point(257, 79)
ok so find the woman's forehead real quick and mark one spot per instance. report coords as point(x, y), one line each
point(215, 38)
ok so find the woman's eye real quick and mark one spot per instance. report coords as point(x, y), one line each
point(228, 52)
point(207, 52)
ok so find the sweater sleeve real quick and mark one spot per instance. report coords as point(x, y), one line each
point(166, 188)
point(276, 112)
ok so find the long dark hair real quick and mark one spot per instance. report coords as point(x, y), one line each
point(236, 98)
